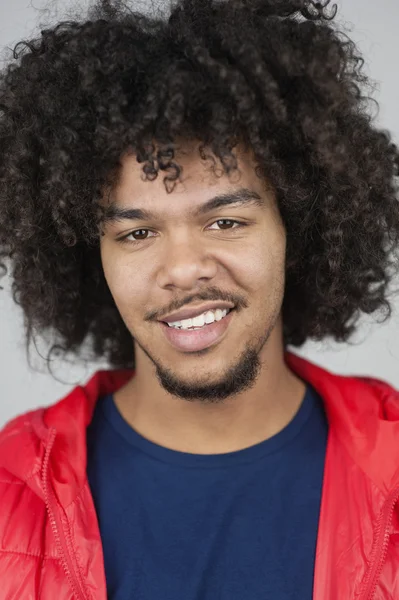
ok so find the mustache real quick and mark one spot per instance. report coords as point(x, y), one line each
point(215, 295)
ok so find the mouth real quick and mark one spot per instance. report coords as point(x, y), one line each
point(198, 338)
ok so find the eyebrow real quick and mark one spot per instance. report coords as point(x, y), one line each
point(240, 197)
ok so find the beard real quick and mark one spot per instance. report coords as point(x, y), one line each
point(239, 377)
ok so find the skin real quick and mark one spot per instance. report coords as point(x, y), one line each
point(240, 391)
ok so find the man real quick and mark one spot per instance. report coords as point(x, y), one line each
point(208, 461)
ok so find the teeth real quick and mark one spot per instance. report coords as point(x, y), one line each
point(201, 320)
point(186, 323)
point(209, 317)
point(198, 321)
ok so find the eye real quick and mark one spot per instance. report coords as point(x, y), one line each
point(141, 235)
point(136, 232)
point(227, 221)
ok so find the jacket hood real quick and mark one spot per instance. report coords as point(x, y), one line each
point(363, 414)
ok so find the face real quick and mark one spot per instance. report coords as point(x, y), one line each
point(178, 257)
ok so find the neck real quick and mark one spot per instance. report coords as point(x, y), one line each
point(237, 423)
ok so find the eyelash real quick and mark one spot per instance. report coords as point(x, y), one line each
point(124, 239)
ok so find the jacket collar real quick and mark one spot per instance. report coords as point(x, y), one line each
point(363, 415)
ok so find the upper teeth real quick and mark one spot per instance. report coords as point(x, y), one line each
point(207, 317)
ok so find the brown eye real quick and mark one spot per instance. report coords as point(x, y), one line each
point(225, 221)
point(229, 222)
point(135, 237)
point(138, 231)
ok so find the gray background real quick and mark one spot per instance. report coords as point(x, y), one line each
point(373, 351)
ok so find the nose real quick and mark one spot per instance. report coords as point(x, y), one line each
point(185, 262)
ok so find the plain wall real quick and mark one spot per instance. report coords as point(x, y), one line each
point(374, 351)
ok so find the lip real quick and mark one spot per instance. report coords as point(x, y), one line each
point(198, 339)
point(194, 311)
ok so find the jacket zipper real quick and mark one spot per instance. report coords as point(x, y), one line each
point(383, 534)
point(56, 525)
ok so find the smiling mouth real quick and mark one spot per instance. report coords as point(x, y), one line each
point(196, 327)
point(195, 339)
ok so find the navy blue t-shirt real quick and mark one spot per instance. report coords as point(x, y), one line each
point(235, 526)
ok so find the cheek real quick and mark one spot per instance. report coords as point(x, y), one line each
point(263, 267)
point(126, 287)
point(123, 280)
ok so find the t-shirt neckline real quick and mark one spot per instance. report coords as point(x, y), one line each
point(230, 459)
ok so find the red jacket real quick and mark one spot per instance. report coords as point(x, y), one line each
point(50, 545)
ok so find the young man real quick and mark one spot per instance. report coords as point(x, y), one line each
point(208, 461)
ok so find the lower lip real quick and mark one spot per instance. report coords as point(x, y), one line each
point(197, 339)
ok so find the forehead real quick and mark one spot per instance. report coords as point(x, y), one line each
point(197, 182)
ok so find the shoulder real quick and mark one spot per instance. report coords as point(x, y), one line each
point(387, 394)
point(21, 445)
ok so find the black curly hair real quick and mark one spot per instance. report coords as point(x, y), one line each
point(277, 75)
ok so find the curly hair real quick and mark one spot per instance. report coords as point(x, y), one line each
point(277, 75)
